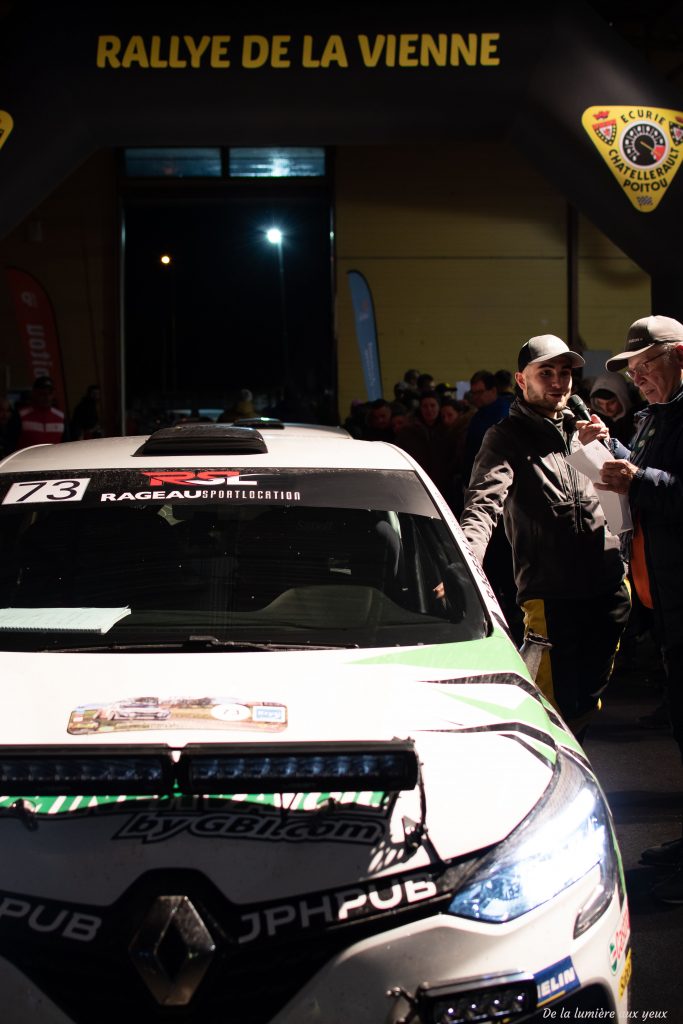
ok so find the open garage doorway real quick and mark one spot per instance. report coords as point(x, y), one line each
point(213, 308)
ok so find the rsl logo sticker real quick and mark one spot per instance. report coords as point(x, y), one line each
point(202, 478)
point(6, 126)
point(642, 146)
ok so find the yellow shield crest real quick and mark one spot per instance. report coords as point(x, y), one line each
point(641, 145)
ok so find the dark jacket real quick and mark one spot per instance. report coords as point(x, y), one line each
point(561, 546)
point(656, 499)
point(425, 444)
point(483, 418)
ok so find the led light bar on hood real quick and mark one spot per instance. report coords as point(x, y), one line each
point(240, 768)
point(289, 767)
point(97, 771)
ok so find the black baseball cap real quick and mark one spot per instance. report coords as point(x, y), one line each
point(544, 347)
point(643, 334)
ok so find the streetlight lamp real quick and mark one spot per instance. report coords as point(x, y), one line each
point(276, 238)
point(169, 355)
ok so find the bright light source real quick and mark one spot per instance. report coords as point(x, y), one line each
point(485, 1005)
point(165, 259)
point(274, 236)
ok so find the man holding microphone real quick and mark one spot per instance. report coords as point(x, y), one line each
point(568, 568)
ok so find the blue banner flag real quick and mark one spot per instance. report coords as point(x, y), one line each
point(366, 333)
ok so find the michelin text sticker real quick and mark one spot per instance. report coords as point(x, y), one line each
point(556, 981)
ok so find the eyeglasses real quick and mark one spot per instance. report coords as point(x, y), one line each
point(644, 367)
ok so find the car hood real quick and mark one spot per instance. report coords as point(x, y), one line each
point(485, 739)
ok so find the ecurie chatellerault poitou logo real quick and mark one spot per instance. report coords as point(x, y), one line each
point(642, 146)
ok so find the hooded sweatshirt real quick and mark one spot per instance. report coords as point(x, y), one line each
point(617, 384)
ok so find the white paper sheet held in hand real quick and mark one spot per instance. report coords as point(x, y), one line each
point(589, 460)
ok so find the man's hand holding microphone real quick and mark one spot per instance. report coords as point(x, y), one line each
point(589, 426)
point(616, 474)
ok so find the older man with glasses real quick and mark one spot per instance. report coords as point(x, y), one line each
point(651, 474)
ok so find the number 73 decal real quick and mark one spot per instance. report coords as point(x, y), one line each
point(27, 491)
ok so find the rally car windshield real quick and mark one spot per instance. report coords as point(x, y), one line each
point(332, 558)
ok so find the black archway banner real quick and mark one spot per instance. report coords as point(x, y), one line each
point(557, 84)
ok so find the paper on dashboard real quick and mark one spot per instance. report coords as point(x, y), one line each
point(61, 620)
point(589, 460)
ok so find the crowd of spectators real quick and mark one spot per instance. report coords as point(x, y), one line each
point(428, 421)
point(444, 433)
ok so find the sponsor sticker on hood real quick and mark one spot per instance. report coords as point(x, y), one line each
point(136, 713)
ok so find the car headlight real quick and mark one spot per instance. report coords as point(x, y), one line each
point(568, 834)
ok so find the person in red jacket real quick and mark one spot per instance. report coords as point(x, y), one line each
point(41, 421)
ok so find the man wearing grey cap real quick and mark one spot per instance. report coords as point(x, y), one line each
point(568, 568)
point(651, 474)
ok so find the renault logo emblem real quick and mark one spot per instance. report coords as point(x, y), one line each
point(172, 950)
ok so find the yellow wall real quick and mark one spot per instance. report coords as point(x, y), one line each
point(613, 291)
point(465, 253)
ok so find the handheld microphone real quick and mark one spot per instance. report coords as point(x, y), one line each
point(576, 405)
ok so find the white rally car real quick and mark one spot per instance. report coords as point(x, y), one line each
point(331, 792)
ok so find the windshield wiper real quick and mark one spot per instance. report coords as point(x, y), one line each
point(199, 642)
point(248, 645)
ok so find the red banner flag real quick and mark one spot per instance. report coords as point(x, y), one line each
point(38, 330)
